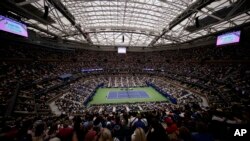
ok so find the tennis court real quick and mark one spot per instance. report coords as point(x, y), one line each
point(127, 94)
point(121, 95)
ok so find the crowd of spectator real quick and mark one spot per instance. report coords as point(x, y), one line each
point(165, 122)
point(31, 73)
point(72, 101)
point(183, 96)
point(121, 81)
point(78, 92)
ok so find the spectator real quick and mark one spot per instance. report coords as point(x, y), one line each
point(156, 132)
point(184, 134)
point(140, 122)
point(66, 132)
point(138, 135)
point(91, 134)
point(105, 135)
point(202, 133)
point(172, 129)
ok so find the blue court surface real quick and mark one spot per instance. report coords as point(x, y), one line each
point(127, 94)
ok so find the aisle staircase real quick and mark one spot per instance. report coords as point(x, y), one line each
point(54, 108)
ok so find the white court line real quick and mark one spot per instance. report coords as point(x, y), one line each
point(108, 96)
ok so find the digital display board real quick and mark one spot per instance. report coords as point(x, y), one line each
point(228, 38)
point(122, 50)
point(12, 26)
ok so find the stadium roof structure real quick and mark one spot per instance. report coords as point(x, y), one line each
point(130, 23)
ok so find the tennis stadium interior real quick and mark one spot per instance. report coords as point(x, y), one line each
point(124, 70)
